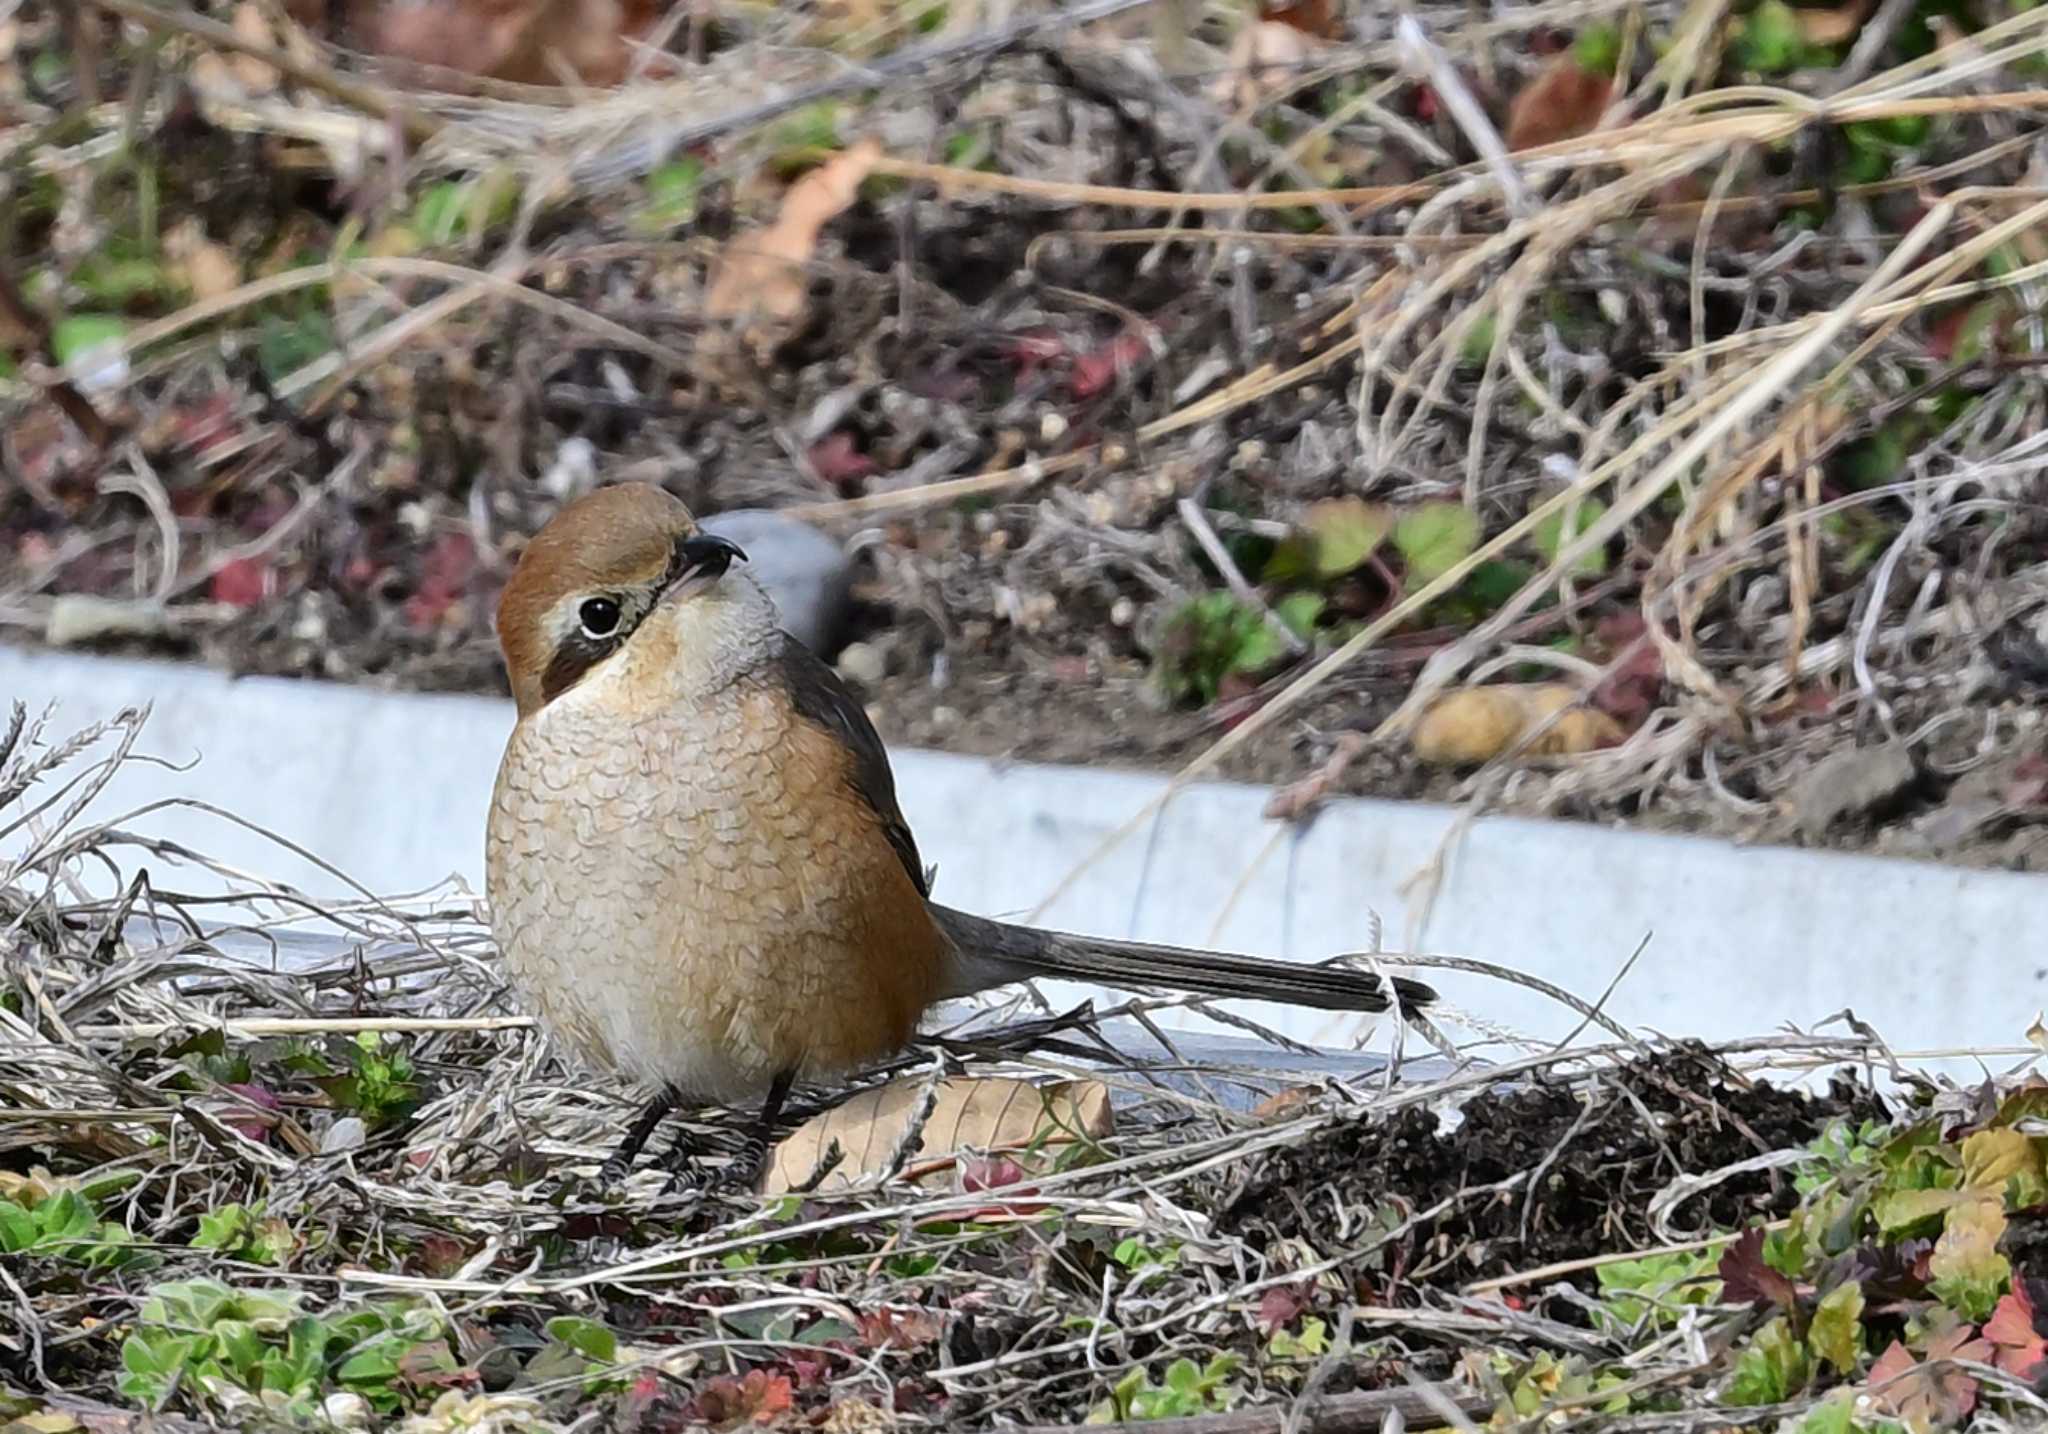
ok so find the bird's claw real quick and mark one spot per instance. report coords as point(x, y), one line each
point(737, 1177)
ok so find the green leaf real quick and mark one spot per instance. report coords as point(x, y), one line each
point(2004, 1160)
point(1834, 1415)
point(1876, 460)
point(1655, 1285)
point(1477, 344)
point(1903, 1212)
point(586, 1337)
point(188, 1304)
point(1551, 538)
point(119, 282)
point(1836, 1333)
point(1434, 538)
point(222, 1229)
point(17, 1228)
point(672, 191)
point(1207, 639)
point(1598, 49)
point(1967, 1272)
point(1770, 41)
point(240, 1348)
point(375, 1366)
point(152, 1359)
point(1772, 1369)
point(1311, 1343)
point(287, 345)
point(1299, 612)
point(1333, 538)
point(76, 334)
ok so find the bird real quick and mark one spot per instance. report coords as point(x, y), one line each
point(696, 867)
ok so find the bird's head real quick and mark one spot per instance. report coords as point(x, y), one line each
point(623, 582)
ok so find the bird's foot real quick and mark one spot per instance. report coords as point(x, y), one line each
point(737, 1177)
point(619, 1164)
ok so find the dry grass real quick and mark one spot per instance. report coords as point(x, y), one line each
point(162, 1056)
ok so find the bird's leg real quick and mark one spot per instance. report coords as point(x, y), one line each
point(745, 1168)
point(637, 1135)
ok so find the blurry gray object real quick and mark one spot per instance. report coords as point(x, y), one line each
point(809, 575)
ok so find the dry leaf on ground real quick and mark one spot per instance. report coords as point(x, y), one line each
point(758, 280)
point(976, 1115)
point(1476, 724)
point(525, 41)
point(1311, 17)
point(1264, 59)
point(1832, 26)
point(207, 268)
point(250, 23)
point(1563, 102)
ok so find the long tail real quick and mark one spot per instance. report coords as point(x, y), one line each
point(995, 953)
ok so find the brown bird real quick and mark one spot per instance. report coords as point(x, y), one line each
point(696, 866)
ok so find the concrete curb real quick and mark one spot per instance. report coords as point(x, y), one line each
point(391, 788)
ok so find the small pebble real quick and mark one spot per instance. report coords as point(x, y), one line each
point(806, 571)
point(862, 662)
point(345, 1134)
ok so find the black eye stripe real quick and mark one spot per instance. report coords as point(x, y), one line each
point(584, 645)
point(575, 655)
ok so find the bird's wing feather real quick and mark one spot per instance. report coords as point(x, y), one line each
point(820, 697)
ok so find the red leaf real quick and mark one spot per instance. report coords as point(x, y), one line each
point(243, 582)
point(1034, 349)
point(759, 1399)
point(1924, 1396)
point(991, 1173)
point(1563, 102)
point(2029, 784)
point(440, 1256)
point(1425, 104)
point(204, 426)
point(1097, 370)
point(1745, 1278)
point(1630, 692)
point(444, 577)
point(898, 1329)
point(1281, 1306)
point(2014, 1332)
point(255, 1123)
point(835, 459)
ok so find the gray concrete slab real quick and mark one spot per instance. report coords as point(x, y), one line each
point(391, 788)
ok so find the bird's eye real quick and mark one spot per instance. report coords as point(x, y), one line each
point(600, 617)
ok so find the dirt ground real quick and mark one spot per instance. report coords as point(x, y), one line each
point(1091, 466)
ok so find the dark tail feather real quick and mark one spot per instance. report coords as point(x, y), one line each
point(995, 953)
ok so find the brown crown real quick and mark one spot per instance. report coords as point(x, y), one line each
point(616, 537)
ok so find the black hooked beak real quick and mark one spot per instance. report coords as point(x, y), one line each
point(702, 555)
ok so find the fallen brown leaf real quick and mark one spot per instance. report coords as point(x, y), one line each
point(1264, 58)
point(757, 282)
point(251, 24)
point(525, 41)
point(1312, 17)
point(1476, 724)
point(1564, 101)
point(208, 269)
point(970, 1114)
point(1832, 27)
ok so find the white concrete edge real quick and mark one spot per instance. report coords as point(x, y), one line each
point(392, 788)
